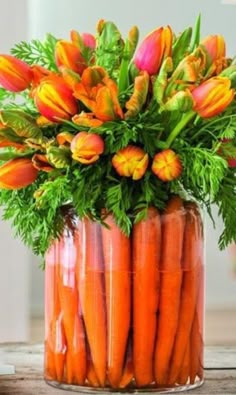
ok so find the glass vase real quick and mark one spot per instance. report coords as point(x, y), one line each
point(122, 313)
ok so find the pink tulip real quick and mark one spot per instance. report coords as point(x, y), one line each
point(155, 46)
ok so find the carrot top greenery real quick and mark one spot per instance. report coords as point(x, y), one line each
point(102, 122)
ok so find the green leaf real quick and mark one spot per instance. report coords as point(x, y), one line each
point(22, 123)
point(181, 46)
point(129, 49)
point(37, 52)
point(6, 155)
point(196, 34)
point(60, 157)
point(109, 49)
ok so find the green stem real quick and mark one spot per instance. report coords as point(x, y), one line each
point(179, 127)
point(215, 121)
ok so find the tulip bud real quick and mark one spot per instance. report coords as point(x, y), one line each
point(89, 40)
point(86, 147)
point(215, 46)
point(15, 75)
point(182, 101)
point(212, 96)
point(153, 49)
point(166, 165)
point(69, 55)
point(54, 99)
point(131, 161)
point(17, 173)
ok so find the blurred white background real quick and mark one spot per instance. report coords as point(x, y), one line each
point(21, 281)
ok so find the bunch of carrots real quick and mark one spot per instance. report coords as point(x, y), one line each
point(127, 311)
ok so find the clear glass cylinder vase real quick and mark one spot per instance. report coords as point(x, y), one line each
point(126, 313)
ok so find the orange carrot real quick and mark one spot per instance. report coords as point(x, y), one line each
point(191, 252)
point(128, 372)
point(146, 259)
point(68, 294)
point(171, 277)
point(55, 344)
point(185, 369)
point(196, 340)
point(116, 249)
point(91, 375)
point(91, 290)
point(196, 350)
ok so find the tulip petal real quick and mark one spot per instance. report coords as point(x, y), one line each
point(41, 162)
point(139, 96)
point(17, 173)
point(86, 119)
point(107, 105)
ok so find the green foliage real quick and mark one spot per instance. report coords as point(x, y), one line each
point(226, 202)
point(37, 221)
point(203, 171)
point(109, 49)
point(37, 52)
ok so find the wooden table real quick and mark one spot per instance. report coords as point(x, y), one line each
point(220, 372)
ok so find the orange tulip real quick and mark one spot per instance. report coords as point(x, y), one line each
point(155, 46)
point(86, 119)
point(166, 165)
point(212, 96)
point(54, 99)
point(99, 94)
point(69, 55)
point(15, 75)
point(215, 46)
point(38, 73)
point(86, 39)
point(86, 147)
point(130, 161)
point(17, 173)
point(64, 138)
point(41, 162)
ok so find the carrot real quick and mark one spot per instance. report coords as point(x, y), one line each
point(116, 249)
point(196, 366)
point(55, 344)
point(128, 372)
point(91, 375)
point(185, 369)
point(191, 251)
point(91, 290)
point(171, 277)
point(146, 257)
point(68, 294)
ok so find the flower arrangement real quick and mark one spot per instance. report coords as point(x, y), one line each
point(102, 122)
